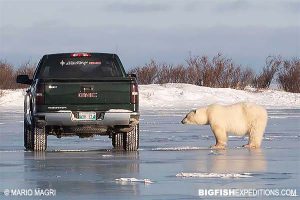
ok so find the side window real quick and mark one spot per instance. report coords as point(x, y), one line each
point(38, 69)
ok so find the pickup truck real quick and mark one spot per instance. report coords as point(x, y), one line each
point(81, 94)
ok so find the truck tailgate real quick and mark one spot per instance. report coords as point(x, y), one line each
point(87, 93)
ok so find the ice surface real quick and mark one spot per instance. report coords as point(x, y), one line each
point(86, 168)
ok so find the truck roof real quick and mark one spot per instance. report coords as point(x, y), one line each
point(91, 53)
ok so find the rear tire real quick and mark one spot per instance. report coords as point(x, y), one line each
point(40, 138)
point(131, 139)
point(35, 137)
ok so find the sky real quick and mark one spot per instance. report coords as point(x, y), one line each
point(168, 31)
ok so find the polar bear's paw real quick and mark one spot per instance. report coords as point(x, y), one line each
point(250, 146)
point(218, 147)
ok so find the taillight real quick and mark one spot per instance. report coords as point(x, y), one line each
point(40, 94)
point(74, 55)
point(134, 97)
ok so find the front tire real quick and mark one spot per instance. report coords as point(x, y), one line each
point(117, 140)
point(28, 136)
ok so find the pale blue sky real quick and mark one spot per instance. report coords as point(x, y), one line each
point(168, 31)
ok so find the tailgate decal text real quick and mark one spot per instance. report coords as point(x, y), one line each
point(87, 95)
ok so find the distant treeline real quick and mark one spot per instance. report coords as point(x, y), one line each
point(222, 72)
point(8, 74)
point(218, 72)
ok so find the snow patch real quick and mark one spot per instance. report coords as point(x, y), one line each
point(284, 117)
point(179, 148)
point(70, 150)
point(277, 137)
point(214, 175)
point(107, 156)
point(132, 180)
point(11, 151)
point(12, 99)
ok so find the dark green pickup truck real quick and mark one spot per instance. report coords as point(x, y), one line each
point(82, 94)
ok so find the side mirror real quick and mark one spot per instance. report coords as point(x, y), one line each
point(132, 75)
point(24, 79)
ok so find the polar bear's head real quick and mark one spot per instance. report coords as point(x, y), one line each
point(198, 116)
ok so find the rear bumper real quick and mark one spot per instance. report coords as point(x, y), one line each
point(109, 118)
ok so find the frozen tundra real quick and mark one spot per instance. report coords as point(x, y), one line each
point(82, 94)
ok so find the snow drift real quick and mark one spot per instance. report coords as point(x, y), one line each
point(192, 96)
point(185, 96)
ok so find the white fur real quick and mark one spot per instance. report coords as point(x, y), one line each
point(239, 119)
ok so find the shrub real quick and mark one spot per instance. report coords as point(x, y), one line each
point(6, 75)
point(25, 68)
point(264, 79)
point(289, 75)
point(193, 71)
point(218, 72)
point(146, 74)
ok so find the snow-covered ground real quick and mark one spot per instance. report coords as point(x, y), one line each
point(186, 96)
point(192, 96)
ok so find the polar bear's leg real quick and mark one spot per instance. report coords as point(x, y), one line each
point(255, 137)
point(221, 137)
point(254, 142)
point(257, 129)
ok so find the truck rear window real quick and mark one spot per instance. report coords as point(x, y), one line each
point(59, 67)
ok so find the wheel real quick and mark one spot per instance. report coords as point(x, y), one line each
point(131, 139)
point(117, 140)
point(40, 138)
point(35, 138)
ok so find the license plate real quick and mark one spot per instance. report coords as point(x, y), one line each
point(87, 116)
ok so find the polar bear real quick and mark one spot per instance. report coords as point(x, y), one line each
point(239, 119)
